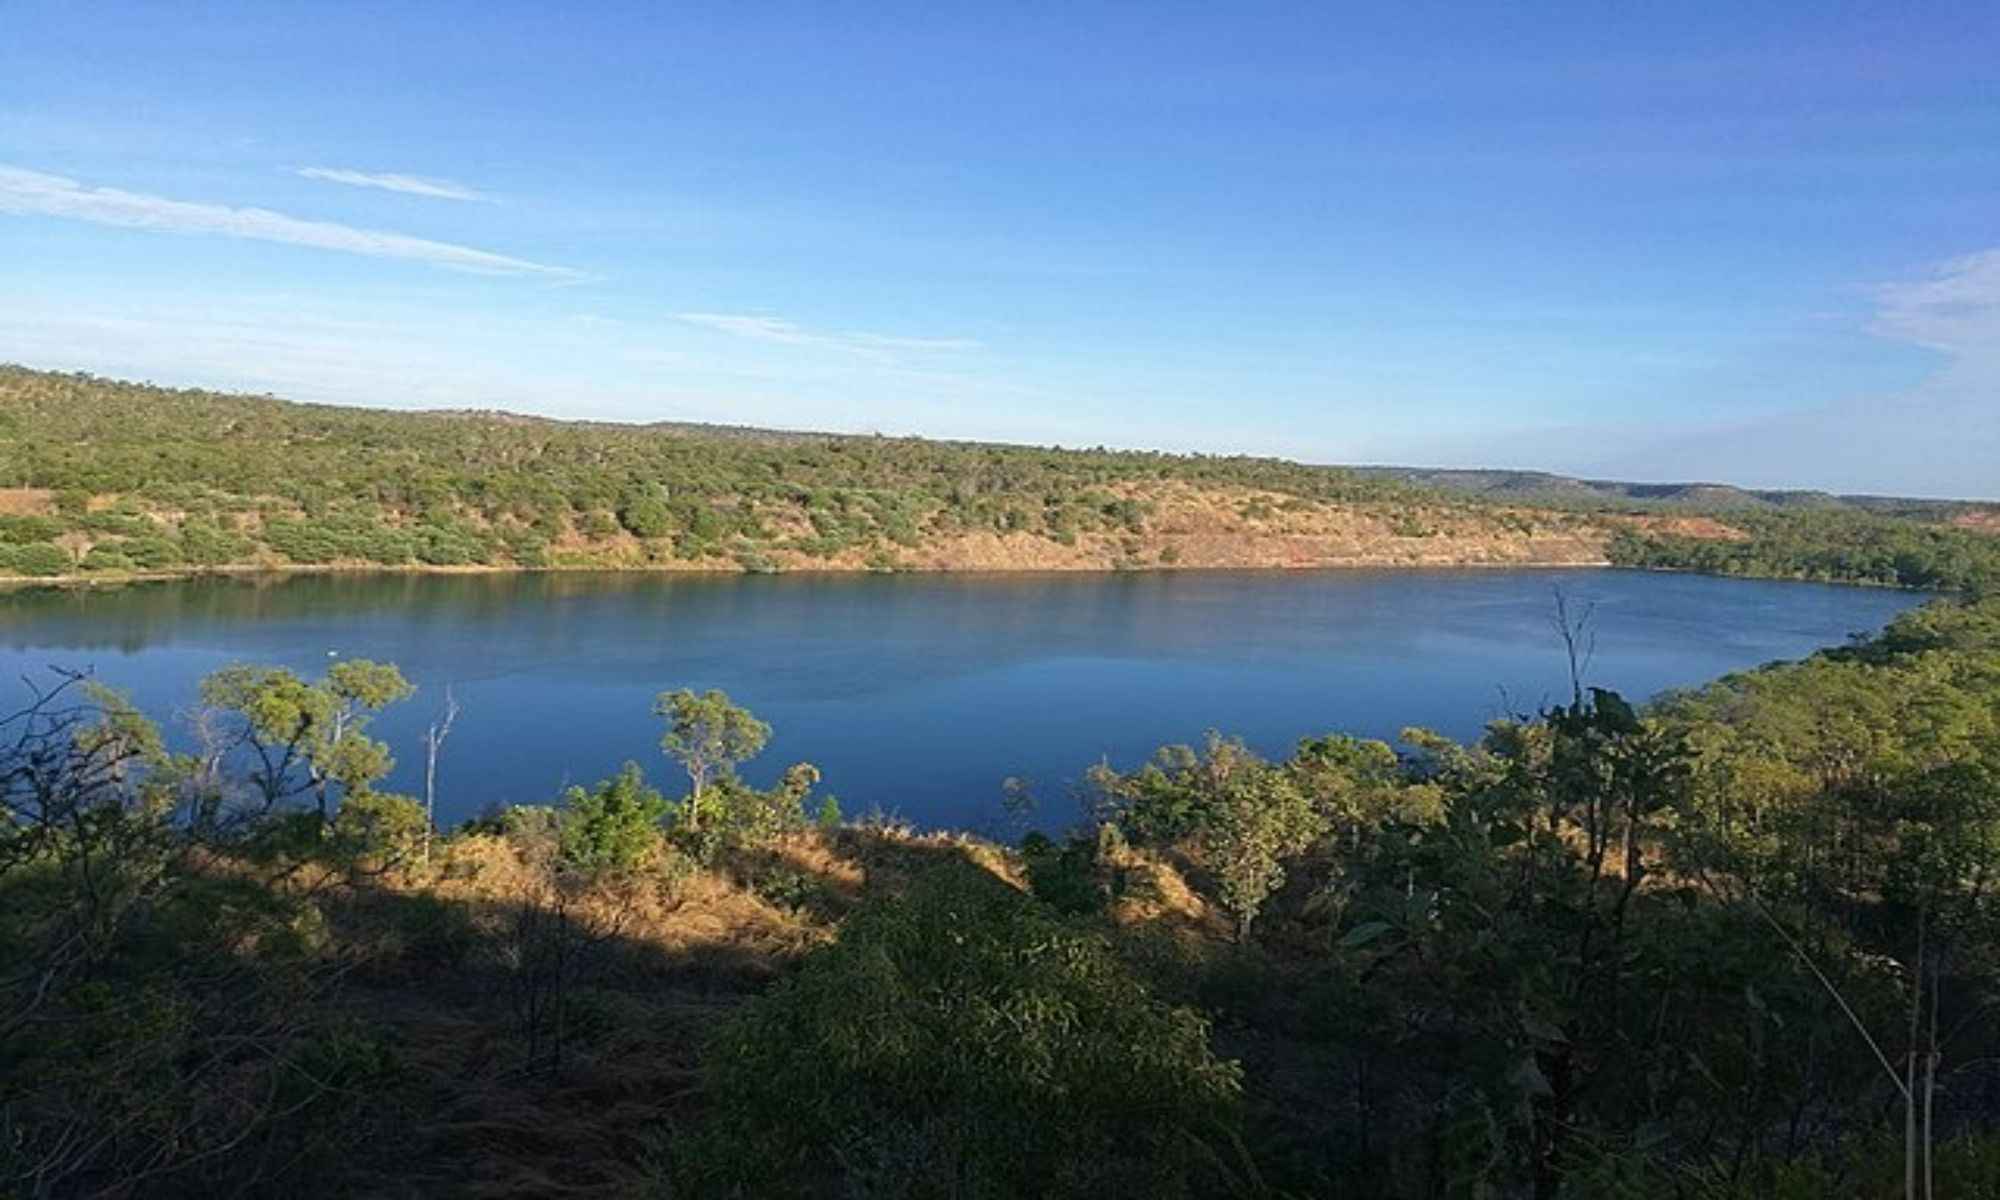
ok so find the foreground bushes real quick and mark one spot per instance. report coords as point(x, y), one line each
point(963, 1041)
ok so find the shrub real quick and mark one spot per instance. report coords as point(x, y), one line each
point(206, 544)
point(107, 556)
point(447, 543)
point(117, 523)
point(20, 530)
point(1064, 876)
point(646, 514)
point(151, 552)
point(40, 559)
point(960, 1040)
point(380, 825)
point(612, 827)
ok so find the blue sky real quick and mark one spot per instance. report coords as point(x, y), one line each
point(1756, 243)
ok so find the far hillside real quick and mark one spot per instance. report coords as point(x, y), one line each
point(107, 479)
point(1543, 488)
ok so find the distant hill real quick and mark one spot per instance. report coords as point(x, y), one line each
point(1547, 488)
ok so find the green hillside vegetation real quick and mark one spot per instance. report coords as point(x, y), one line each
point(101, 479)
point(1739, 944)
point(1833, 545)
point(157, 478)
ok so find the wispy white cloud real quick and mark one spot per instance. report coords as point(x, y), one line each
point(1939, 437)
point(876, 347)
point(1954, 309)
point(436, 189)
point(33, 193)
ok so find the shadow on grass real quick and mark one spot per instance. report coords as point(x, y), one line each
point(446, 984)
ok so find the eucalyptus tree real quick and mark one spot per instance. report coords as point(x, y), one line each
point(707, 734)
point(308, 736)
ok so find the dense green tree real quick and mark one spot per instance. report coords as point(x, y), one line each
point(612, 826)
point(644, 512)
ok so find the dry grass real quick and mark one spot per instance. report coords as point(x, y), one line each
point(26, 502)
point(1706, 529)
point(1982, 521)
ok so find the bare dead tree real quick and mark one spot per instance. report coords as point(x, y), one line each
point(434, 737)
point(1579, 637)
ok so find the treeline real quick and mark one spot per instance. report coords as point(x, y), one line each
point(151, 478)
point(1844, 547)
point(1739, 944)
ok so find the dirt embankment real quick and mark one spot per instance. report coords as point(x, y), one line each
point(1208, 529)
point(1984, 521)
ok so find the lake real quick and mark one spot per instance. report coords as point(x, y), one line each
point(920, 694)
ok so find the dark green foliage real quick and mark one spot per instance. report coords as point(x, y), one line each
point(206, 543)
point(613, 826)
point(451, 543)
point(962, 1041)
point(645, 514)
point(340, 537)
point(343, 485)
point(38, 559)
point(21, 530)
point(150, 552)
point(1065, 875)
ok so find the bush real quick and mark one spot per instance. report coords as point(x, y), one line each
point(1065, 876)
point(21, 530)
point(40, 559)
point(151, 552)
point(963, 1041)
point(612, 827)
point(646, 514)
point(107, 556)
point(446, 544)
point(380, 825)
point(207, 544)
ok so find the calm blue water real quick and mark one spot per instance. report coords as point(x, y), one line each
point(920, 694)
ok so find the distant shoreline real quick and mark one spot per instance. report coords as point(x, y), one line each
point(85, 582)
